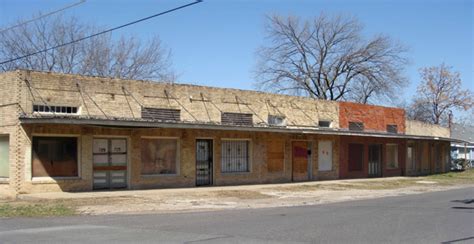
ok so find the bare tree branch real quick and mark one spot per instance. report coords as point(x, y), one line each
point(326, 58)
point(102, 55)
point(439, 93)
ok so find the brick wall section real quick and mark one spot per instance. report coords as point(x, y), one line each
point(366, 141)
point(186, 177)
point(197, 103)
point(375, 118)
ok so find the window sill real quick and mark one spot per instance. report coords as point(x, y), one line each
point(159, 175)
point(235, 173)
point(4, 180)
point(53, 179)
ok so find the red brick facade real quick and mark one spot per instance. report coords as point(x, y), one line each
point(344, 171)
point(375, 118)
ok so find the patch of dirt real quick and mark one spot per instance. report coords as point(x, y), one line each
point(241, 197)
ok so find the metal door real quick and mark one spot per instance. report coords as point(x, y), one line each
point(375, 160)
point(203, 162)
point(110, 163)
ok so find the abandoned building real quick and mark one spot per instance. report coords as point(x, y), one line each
point(62, 132)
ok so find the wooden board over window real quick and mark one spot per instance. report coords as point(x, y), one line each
point(55, 157)
point(275, 155)
point(159, 156)
point(356, 157)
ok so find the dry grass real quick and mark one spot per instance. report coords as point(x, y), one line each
point(453, 178)
point(24, 209)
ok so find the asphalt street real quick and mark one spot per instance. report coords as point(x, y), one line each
point(437, 217)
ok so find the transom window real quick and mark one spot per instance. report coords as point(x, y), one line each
point(235, 156)
point(55, 109)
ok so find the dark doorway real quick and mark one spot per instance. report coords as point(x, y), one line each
point(375, 160)
point(203, 162)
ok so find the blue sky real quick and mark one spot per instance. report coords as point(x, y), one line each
point(214, 42)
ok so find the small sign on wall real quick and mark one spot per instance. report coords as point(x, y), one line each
point(325, 155)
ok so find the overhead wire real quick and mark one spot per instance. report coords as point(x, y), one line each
point(43, 16)
point(102, 32)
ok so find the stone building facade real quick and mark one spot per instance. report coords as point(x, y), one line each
point(76, 133)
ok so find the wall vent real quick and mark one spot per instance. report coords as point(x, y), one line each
point(54, 109)
point(161, 114)
point(236, 119)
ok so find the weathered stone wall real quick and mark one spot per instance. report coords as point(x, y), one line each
point(419, 128)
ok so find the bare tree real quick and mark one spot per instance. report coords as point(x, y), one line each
point(327, 58)
point(101, 55)
point(438, 94)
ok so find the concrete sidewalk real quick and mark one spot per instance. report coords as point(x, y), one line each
point(236, 197)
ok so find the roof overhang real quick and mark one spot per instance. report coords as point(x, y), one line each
point(139, 123)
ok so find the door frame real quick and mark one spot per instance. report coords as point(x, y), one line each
point(310, 156)
point(129, 147)
point(380, 161)
point(213, 158)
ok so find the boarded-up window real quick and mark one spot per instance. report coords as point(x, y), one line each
point(161, 114)
point(235, 156)
point(356, 156)
point(392, 156)
point(159, 156)
point(356, 126)
point(325, 155)
point(236, 119)
point(55, 157)
point(275, 155)
point(4, 156)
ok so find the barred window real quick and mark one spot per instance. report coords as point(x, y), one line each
point(235, 156)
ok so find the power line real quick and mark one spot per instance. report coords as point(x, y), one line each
point(103, 32)
point(44, 15)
